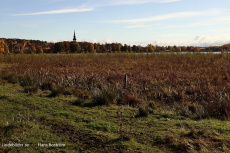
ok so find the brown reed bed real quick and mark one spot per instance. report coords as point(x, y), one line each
point(194, 85)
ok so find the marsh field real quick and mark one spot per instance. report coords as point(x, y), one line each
point(119, 102)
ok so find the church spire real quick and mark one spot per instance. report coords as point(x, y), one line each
point(74, 37)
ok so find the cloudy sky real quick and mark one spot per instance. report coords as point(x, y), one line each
point(139, 22)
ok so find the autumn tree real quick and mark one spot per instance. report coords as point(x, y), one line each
point(170, 48)
point(116, 47)
point(196, 49)
point(97, 47)
point(159, 48)
point(39, 50)
point(91, 48)
point(183, 48)
point(84, 46)
point(67, 46)
point(139, 48)
point(179, 49)
point(103, 48)
point(6, 49)
point(226, 46)
point(176, 48)
point(162, 49)
point(33, 49)
point(151, 48)
point(3, 47)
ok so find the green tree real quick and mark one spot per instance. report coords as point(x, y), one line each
point(59, 47)
point(129, 48)
point(74, 47)
point(125, 48)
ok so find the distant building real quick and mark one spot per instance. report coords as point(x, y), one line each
point(74, 37)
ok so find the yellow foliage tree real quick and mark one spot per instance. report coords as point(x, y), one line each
point(3, 47)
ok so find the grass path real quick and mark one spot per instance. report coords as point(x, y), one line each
point(34, 119)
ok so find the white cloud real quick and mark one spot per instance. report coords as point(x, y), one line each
point(225, 18)
point(209, 40)
point(105, 40)
point(167, 16)
point(137, 26)
point(213, 21)
point(135, 2)
point(57, 11)
point(94, 3)
point(59, 40)
point(221, 30)
point(202, 41)
point(173, 34)
point(106, 3)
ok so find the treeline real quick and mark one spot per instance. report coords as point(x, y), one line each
point(79, 47)
point(37, 46)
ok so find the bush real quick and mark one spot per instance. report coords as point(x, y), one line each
point(143, 112)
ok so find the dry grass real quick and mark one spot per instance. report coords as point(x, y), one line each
point(196, 85)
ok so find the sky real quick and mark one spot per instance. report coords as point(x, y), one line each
point(132, 22)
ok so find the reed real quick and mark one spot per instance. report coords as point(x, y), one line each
point(183, 81)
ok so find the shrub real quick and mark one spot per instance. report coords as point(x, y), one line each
point(143, 112)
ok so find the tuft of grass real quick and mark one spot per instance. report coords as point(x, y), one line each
point(105, 96)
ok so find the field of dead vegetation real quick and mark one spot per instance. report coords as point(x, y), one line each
point(116, 102)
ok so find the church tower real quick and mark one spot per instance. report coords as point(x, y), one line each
point(74, 37)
